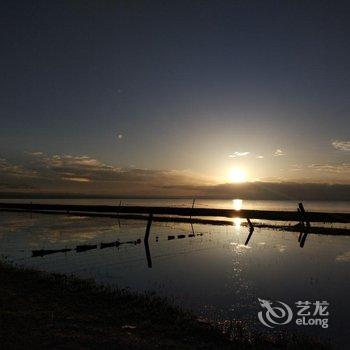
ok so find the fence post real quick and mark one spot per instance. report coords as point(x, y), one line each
point(147, 233)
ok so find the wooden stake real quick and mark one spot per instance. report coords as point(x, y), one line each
point(305, 225)
point(120, 203)
point(147, 233)
point(251, 230)
point(194, 200)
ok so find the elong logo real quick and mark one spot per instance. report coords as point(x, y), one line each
point(274, 315)
point(278, 313)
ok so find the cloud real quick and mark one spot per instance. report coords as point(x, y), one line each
point(260, 157)
point(341, 145)
point(279, 153)
point(239, 154)
point(35, 153)
point(77, 179)
point(295, 167)
point(81, 174)
point(72, 173)
point(331, 168)
point(10, 169)
point(74, 168)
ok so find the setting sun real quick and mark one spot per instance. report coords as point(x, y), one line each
point(237, 175)
point(196, 153)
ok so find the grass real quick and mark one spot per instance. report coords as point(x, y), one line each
point(53, 311)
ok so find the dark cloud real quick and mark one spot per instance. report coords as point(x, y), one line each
point(74, 175)
point(9, 169)
point(343, 168)
point(77, 174)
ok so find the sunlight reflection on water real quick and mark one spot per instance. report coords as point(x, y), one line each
point(208, 269)
point(237, 223)
point(237, 204)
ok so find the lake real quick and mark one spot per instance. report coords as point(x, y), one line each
point(210, 272)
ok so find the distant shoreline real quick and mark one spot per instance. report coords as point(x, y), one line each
point(117, 210)
point(281, 191)
point(68, 197)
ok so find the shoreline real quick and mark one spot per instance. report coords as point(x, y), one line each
point(179, 211)
point(60, 311)
point(295, 227)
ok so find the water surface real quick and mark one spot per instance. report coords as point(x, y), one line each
point(212, 273)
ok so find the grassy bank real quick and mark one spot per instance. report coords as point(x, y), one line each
point(39, 310)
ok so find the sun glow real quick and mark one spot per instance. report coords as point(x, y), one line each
point(237, 175)
point(237, 204)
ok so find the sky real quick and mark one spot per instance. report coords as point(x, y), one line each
point(165, 97)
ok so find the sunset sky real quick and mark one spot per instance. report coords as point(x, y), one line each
point(140, 97)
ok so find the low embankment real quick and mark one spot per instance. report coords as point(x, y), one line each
point(192, 212)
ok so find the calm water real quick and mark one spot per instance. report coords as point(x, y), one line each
point(213, 273)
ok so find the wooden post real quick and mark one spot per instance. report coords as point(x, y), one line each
point(194, 200)
point(148, 228)
point(304, 216)
point(147, 233)
point(251, 227)
point(300, 235)
point(305, 225)
point(303, 240)
point(120, 203)
point(301, 225)
point(251, 230)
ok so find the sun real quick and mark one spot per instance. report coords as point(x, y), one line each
point(237, 175)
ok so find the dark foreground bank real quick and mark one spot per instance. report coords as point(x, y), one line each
point(40, 310)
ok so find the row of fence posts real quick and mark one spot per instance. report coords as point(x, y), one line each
point(304, 225)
